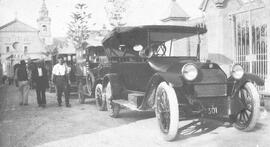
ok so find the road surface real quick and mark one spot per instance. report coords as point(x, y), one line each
point(83, 126)
point(26, 126)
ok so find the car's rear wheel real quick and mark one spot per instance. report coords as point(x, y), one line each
point(81, 96)
point(112, 108)
point(100, 103)
point(89, 84)
point(167, 111)
point(246, 119)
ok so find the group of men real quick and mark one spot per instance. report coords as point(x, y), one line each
point(40, 78)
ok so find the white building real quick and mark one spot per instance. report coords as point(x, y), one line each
point(175, 15)
point(237, 29)
point(44, 24)
point(20, 41)
point(236, 33)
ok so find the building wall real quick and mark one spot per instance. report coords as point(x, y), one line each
point(45, 31)
point(221, 35)
point(31, 40)
point(188, 46)
point(267, 9)
point(219, 28)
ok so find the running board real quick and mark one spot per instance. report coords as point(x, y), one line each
point(136, 92)
point(127, 104)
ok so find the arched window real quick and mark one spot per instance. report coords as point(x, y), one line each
point(25, 49)
point(247, 1)
point(44, 28)
point(7, 49)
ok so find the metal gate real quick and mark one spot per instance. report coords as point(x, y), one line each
point(251, 42)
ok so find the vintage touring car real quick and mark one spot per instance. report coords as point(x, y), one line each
point(87, 67)
point(149, 68)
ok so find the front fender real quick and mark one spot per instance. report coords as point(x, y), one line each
point(172, 78)
point(153, 83)
point(247, 77)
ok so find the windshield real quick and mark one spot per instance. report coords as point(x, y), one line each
point(171, 48)
point(187, 46)
point(155, 40)
point(122, 51)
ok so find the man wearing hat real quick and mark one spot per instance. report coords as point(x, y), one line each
point(40, 79)
point(22, 77)
point(60, 77)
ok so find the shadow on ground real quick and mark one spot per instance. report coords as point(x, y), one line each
point(196, 128)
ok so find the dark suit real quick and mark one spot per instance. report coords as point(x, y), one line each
point(41, 83)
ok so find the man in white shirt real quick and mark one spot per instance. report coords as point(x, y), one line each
point(60, 77)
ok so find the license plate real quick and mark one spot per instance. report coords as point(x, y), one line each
point(212, 110)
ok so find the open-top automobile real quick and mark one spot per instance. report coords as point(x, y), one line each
point(87, 68)
point(154, 68)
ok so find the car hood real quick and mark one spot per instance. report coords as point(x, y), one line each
point(167, 64)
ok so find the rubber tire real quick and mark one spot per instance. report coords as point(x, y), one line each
point(100, 106)
point(111, 107)
point(81, 96)
point(256, 108)
point(174, 111)
point(89, 84)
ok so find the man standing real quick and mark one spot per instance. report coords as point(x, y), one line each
point(60, 77)
point(40, 79)
point(23, 83)
point(14, 68)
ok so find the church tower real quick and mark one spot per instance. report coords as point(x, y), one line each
point(44, 24)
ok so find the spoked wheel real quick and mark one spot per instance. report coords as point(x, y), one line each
point(167, 112)
point(80, 94)
point(112, 107)
point(89, 84)
point(100, 103)
point(246, 119)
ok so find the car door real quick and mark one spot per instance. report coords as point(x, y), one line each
point(134, 75)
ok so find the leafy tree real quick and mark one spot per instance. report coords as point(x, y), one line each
point(78, 30)
point(52, 50)
point(116, 10)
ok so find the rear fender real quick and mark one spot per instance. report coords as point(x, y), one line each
point(116, 85)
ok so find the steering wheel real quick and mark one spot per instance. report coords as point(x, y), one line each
point(161, 50)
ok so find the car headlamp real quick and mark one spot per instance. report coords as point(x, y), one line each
point(237, 71)
point(189, 71)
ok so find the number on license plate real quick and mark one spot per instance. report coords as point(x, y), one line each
point(212, 110)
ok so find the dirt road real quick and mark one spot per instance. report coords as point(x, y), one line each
point(26, 126)
point(83, 126)
point(145, 133)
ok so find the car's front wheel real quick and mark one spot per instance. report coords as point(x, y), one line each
point(246, 119)
point(167, 111)
point(100, 103)
point(112, 107)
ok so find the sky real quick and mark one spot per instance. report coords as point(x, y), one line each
point(138, 12)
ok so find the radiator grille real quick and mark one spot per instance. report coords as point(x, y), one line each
point(213, 76)
point(207, 90)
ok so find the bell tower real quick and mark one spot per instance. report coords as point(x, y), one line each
point(44, 24)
